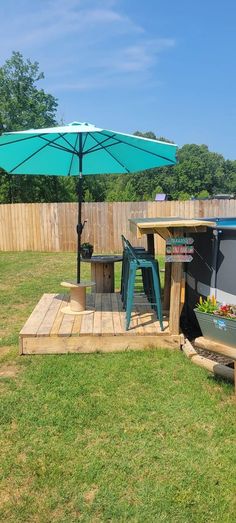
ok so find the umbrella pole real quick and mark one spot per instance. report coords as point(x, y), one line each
point(77, 303)
point(79, 225)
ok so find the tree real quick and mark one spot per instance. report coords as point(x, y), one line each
point(24, 106)
point(203, 195)
point(197, 168)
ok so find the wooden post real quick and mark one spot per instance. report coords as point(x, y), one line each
point(166, 302)
point(151, 244)
point(175, 292)
point(182, 291)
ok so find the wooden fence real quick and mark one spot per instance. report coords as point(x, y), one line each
point(51, 227)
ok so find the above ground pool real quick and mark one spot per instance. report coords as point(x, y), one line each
point(212, 271)
point(226, 223)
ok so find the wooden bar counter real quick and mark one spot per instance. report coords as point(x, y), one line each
point(174, 277)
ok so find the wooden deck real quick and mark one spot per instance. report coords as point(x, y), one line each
point(49, 331)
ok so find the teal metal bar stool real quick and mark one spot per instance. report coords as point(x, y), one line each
point(145, 276)
point(125, 262)
point(150, 278)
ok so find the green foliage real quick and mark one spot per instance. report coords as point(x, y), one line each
point(22, 104)
point(198, 173)
point(209, 305)
point(203, 194)
point(86, 245)
point(183, 196)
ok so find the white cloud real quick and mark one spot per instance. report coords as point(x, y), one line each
point(82, 43)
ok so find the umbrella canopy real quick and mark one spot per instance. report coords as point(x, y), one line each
point(81, 149)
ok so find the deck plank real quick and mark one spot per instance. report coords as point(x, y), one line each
point(76, 325)
point(87, 324)
point(121, 313)
point(87, 319)
point(118, 327)
point(89, 344)
point(34, 321)
point(59, 317)
point(97, 324)
point(139, 327)
point(49, 318)
point(107, 320)
point(66, 326)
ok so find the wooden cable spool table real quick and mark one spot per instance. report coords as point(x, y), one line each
point(77, 304)
point(102, 272)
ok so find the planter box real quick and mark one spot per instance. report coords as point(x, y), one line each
point(217, 328)
point(86, 253)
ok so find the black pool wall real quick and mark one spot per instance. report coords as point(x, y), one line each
point(213, 269)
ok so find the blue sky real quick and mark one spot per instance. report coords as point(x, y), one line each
point(129, 65)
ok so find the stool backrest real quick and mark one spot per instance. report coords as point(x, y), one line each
point(127, 245)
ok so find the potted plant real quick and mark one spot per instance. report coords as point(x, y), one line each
point(86, 250)
point(217, 321)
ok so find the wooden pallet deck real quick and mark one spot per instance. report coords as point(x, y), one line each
point(49, 331)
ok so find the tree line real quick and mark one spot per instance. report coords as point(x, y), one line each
point(23, 105)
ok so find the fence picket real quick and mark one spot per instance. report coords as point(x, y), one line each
point(51, 227)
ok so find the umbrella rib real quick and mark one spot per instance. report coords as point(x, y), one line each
point(51, 143)
point(70, 144)
point(118, 141)
point(112, 155)
point(141, 149)
point(96, 148)
point(56, 146)
point(85, 139)
point(20, 140)
point(33, 154)
point(72, 157)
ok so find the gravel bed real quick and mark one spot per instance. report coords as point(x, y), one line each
point(218, 358)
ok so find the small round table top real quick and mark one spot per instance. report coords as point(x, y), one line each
point(103, 259)
point(73, 284)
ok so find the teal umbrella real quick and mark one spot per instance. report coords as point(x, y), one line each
point(80, 149)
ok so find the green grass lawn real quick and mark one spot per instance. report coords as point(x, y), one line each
point(134, 436)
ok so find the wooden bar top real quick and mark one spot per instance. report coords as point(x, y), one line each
point(153, 225)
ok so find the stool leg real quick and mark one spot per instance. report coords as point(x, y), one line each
point(157, 290)
point(126, 283)
point(151, 288)
point(156, 267)
point(130, 295)
point(125, 278)
point(123, 275)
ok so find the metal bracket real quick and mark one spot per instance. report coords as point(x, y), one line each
point(80, 227)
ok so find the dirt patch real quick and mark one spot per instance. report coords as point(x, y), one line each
point(8, 371)
point(90, 495)
point(5, 350)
